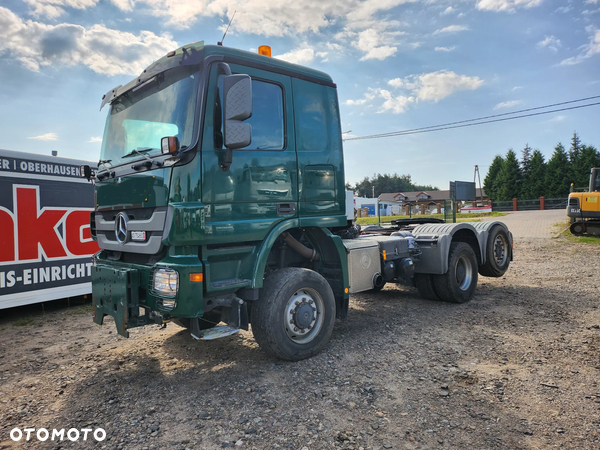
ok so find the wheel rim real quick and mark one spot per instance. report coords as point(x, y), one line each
point(304, 315)
point(464, 273)
point(500, 250)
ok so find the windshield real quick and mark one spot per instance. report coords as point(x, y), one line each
point(162, 106)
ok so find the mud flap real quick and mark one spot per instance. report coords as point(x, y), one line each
point(115, 293)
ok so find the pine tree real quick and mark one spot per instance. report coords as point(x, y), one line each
point(575, 175)
point(490, 182)
point(525, 170)
point(535, 185)
point(588, 158)
point(510, 177)
point(558, 174)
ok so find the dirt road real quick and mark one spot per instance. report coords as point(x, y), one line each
point(516, 368)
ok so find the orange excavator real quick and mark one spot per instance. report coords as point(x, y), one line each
point(584, 208)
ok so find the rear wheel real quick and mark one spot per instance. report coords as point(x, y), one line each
point(458, 284)
point(295, 315)
point(424, 284)
point(498, 253)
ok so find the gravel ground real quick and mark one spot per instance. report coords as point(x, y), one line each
point(516, 368)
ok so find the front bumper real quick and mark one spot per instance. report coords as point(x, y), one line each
point(115, 292)
point(124, 291)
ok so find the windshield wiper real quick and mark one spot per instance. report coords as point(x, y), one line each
point(139, 151)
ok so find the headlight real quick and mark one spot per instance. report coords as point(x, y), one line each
point(166, 282)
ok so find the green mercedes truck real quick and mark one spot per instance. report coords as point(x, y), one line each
point(220, 204)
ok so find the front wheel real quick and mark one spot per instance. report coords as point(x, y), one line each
point(458, 284)
point(295, 315)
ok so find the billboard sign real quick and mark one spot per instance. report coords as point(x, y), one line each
point(45, 237)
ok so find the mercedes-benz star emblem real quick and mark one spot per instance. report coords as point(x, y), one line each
point(121, 228)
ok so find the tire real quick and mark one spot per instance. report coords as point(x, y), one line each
point(290, 297)
point(208, 321)
point(459, 283)
point(424, 284)
point(498, 253)
point(577, 228)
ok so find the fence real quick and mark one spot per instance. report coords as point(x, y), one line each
point(530, 205)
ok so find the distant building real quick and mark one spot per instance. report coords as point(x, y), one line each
point(419, 202)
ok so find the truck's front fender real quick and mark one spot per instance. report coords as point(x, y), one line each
point(265, 249)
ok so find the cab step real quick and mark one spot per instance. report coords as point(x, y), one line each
point(217, 332)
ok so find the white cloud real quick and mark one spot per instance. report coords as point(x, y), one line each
point(507, 5)
point(589, 50)
point(369, 95)
point(102, 49)
point(45, 137)
point(376, 43)
point(267, 17)
point(448, 10)
point(445, 49)
point(397, 104)
point(54, 8)
point(564, 9)
point(556, 119)
point(550, 42)
point(592, 1)
point(432, 86)
point(94, 140)
point(508, 104)
point(302, 55)
point(438, 85)
point(451, 29)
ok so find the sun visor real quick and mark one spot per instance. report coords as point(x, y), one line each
point(184, 56)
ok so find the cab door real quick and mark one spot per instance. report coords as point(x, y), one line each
point(260, 188)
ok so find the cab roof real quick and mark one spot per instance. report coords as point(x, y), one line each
point(197, 52)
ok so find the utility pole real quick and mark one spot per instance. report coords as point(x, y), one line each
point(476, 174)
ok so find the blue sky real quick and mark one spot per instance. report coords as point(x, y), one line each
point(398, 64)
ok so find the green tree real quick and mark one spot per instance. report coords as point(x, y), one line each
point(588, 158)
point(558, 172)
point(491, 180)
point(525, 169)
point(576, 176)
point(386, 183)
point(510, 177)
point(534, 186)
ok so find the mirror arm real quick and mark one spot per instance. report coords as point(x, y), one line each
point(224, 68)
point(225, 163)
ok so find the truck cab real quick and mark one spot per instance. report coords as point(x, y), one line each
point(191, 231)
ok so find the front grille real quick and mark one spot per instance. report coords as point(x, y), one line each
point(573, 202)
point(133, 214)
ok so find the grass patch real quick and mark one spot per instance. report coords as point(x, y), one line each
point(460, 217)
point(563, 226)
point(24, 322)
point(85, 309)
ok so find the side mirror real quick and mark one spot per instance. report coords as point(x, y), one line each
point(237, 99)
point(86, 171)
